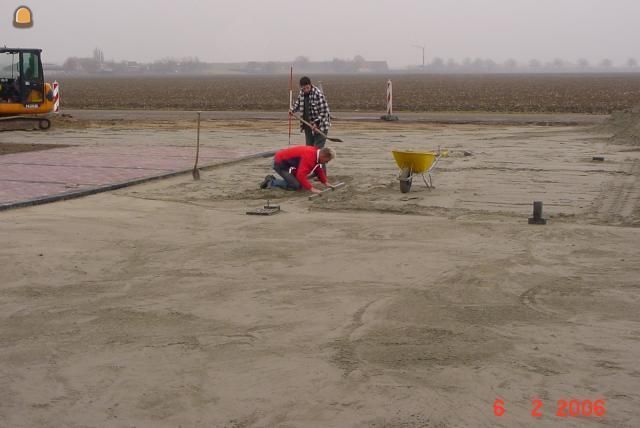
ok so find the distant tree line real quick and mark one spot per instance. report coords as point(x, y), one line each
point(96, 64)
point(487, 65)
point(189, 65)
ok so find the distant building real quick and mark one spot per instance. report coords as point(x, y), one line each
point(317, 67)
point(374, 67)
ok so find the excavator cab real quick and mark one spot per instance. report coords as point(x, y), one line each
point(23, 91)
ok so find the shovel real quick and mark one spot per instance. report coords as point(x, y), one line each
point(195, 172)
point(335, 140)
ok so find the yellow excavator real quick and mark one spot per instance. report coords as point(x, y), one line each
point(24, 95)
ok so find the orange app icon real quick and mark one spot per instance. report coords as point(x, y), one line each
point(22, 17)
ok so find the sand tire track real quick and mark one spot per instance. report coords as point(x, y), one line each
point(619, 200)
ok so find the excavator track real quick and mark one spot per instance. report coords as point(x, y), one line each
point(7, 123)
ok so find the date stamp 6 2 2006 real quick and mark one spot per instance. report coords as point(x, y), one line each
point(564, 408)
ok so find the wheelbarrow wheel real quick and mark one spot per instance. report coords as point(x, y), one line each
point(405, 180)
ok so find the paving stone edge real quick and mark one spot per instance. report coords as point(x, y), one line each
point(72, 194)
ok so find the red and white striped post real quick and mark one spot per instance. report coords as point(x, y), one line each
point(389, 116)
point(56, 97)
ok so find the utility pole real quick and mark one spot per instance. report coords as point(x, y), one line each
point(421, 47)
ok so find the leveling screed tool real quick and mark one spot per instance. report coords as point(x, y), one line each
point(330, 189)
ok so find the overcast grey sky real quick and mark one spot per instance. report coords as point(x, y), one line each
point(280, 30)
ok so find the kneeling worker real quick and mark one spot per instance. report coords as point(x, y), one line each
point(295, 164)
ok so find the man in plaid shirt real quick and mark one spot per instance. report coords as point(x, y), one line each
point(315, 110)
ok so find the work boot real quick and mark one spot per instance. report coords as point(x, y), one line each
point(267, 181)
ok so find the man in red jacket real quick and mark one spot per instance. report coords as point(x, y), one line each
point(295, 164)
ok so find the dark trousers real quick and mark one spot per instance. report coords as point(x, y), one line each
point(315, 140)
point(312, 139)
point(289, 180)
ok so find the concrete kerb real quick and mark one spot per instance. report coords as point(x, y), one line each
point(114, 186)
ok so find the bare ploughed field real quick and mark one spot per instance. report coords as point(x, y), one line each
point(567, 93)
point(165, 305)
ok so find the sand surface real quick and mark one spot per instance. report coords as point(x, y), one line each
point(165, 305)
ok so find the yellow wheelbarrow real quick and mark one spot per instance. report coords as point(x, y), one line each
point(416, 163)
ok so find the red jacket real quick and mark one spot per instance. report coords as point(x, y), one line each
point(304, 159)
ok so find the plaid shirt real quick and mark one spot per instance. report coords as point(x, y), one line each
point(320, 114)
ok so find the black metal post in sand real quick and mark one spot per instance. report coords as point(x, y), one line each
point(537, 214)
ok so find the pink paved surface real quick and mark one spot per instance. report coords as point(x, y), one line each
point(25, 176)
